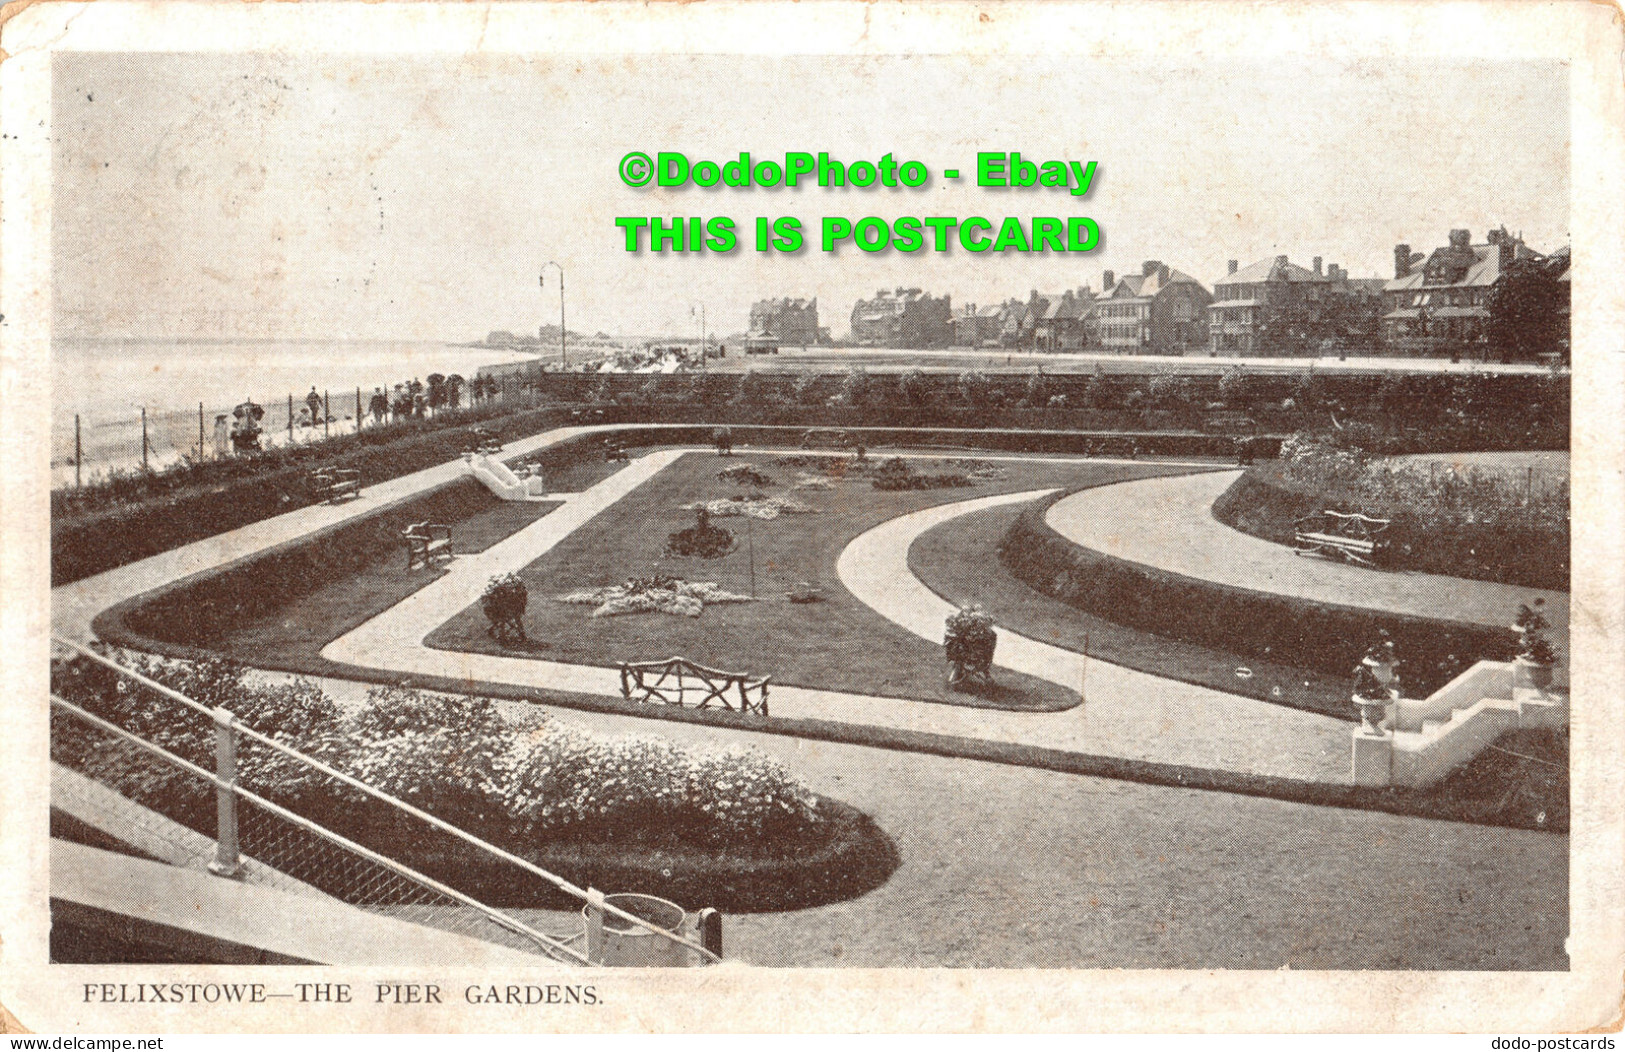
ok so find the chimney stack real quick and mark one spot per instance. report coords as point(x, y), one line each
point(1402, 261)
point(1107, 281)
point(1150, 267)
point(1317, 265)
point(1232, 269)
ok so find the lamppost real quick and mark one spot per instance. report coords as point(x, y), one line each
point(703, 354)
point(564, 358)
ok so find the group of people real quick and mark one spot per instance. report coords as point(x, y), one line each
point(240, 431)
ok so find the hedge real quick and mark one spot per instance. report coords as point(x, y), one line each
point(83, 545)
point(1324, 637)
point(1259, 504)
point(85, 542)
point(1480, 807)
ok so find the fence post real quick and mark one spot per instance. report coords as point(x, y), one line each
point(78, 454)
point(227, 861)
point(290, 418)
point(200, 452)
point(358, 410)
point(595, 926)
point(327, 414)
point(143, 438)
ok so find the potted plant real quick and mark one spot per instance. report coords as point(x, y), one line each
point(969, 642)
point(1530, 618)
point(1538, 658)
point(504, 601)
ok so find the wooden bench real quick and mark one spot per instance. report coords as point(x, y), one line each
point(426, 542)
point(615, 452)
point(335, 484)
point(1348, 536)
point(677, 680)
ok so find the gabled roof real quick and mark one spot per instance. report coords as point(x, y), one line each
point(1270, 270)
point(1483, 271)
point(1128, 286)
point(1147, 286)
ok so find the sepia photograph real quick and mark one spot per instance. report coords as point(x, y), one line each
point(526, 510)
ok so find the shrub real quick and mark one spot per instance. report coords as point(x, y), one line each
point(1262, 625)
point(634, 809)
point(745, 475)
point(897, 474)
point(503, 602)
point(703, 540)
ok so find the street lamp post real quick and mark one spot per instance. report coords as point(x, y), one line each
point(564, 358)
point(703, 355)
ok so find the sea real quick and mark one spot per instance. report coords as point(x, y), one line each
point(107, 384)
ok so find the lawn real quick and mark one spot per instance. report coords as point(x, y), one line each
point(835, 644)
point(302, 626)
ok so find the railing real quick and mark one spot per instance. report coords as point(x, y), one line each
point(677, 680)
point(248, 825)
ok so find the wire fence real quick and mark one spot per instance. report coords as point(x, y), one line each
point(282, 817)
point(90, 448)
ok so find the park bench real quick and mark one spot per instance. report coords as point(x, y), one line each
point(485, 443)
point(616, 452)
point(1349, 536)
point(677, 680)
point(426, 542)
point(335, 484)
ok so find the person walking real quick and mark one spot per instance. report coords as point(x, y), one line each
point(222, 437)
point(313, 402)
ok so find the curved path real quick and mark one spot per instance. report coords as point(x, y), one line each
point(1168, 523)
point(1125, 713)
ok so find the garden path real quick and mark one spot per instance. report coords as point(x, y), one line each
point(1168, 523)
point(1154, 717)
point(1125, 713)
point(74, 606)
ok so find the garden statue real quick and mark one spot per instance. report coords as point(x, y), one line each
point(1376, 685)
point(969, 642)
point(503, 602)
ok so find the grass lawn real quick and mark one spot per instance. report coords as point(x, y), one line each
point(302, 627)
point(935, 559)
point(837, 644)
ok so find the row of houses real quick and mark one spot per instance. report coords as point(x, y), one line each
point(1435, 304)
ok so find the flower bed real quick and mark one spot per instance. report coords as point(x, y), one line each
point(745, 475)
point(667, 595)
point(725, 826)
point(703, 540)
point(757, 507)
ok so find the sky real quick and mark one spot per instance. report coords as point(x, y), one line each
point(269, 195)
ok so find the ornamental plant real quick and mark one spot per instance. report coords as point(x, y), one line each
point(504, 601)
